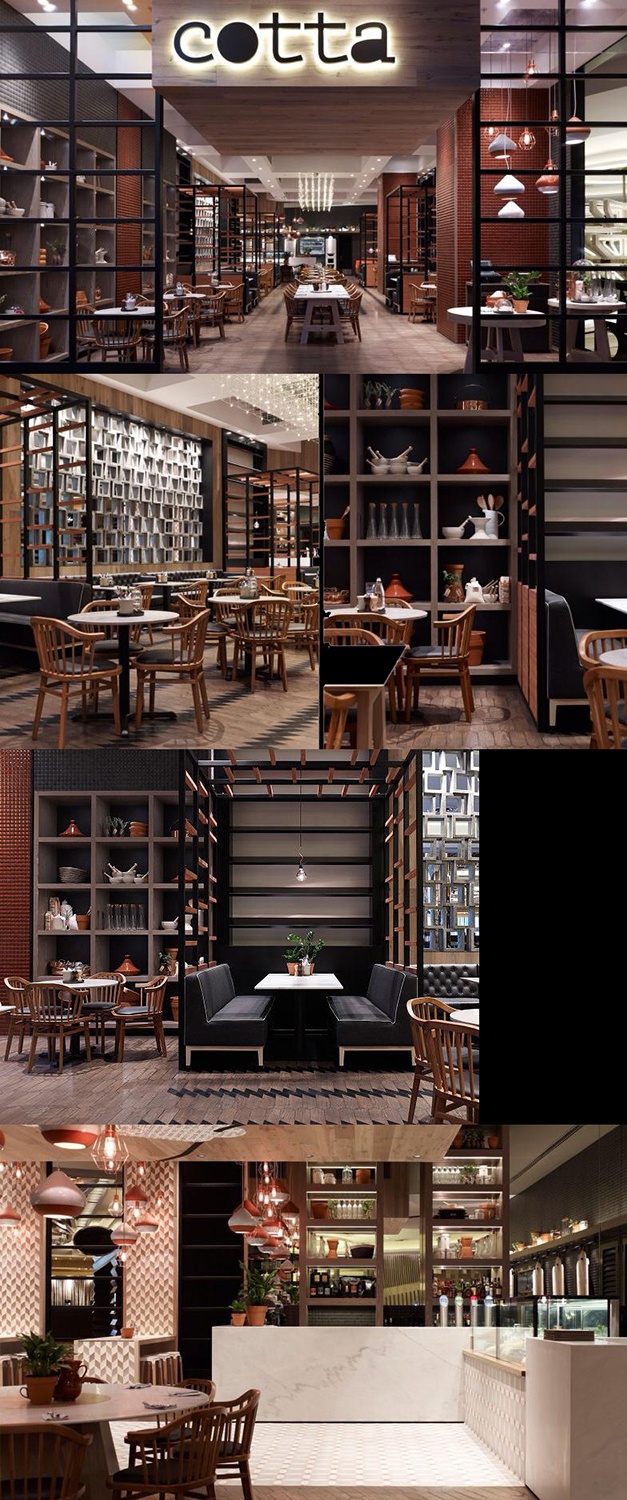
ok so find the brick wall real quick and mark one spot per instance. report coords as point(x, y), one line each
point(510, 243)
point(48, 98)
point(15, 863)
point(129, 200)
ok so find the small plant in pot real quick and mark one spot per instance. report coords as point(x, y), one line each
point(238, 1312)
point(259, 1290)
point(292, 952)
point(43, 1358)
point(518, 284)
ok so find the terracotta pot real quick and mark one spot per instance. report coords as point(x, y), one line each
point(174, 1003)
point(319, 1208)
point(126, 1333)
point(70, 1382)
point(493, 1140)
point(362, 1176)
point(291, 968)
point(256, 1316)
point(82, 921)
point(127, 966)
point(335, 526)
point(39, 1389)
point(396, 590)
point(520, 304)
point(472, 464)
point(332, 1249)
point(477, 645)
point(238, 1320)
point(466, 1247)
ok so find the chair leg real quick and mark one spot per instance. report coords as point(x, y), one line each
point(409, 684)
point(152, 693)
point(160, 1037)
point(65, 693)
point(282, 667)
point(117, 723)
point(392, 697)
point(9, 1039)
point(197, 704)
point(38, 711)
point(467, 697)
point(418, 1077)
point(61, 1049)
point(20, 1045)
point(253, 667)
point(87, 1041)
point(139, 699)
point(31, 1055)
point(244, 1469)
point(203, 694)
point(120, 1031)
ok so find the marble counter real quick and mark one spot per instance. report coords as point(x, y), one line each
point(345, 1374)
point(576, 1443)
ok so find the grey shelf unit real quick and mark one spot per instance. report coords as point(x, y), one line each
point(437, 494)
point(102, 947)
point(450, 855)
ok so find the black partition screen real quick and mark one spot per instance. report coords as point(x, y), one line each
point(209, 1256)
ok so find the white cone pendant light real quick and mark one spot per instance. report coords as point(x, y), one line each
point(502, 145)
point(58, 1197)
point(576, 131)
point(549, 182)
point(511, 210)
point(508, 186)
point(145, 1224)
point(126, 1234)
point(9, 1217)
point(245, 1218)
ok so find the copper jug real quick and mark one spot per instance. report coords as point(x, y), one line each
point(72, 1373)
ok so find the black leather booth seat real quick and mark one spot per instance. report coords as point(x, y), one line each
point(217, 1020)
point(449, 982)
point(377, 1021)
point(58, 598)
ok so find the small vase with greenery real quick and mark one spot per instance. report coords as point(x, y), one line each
point(302, 952)
point(258, 1290)
point(238, 1312)
point(518, 284)
point(43, 1357)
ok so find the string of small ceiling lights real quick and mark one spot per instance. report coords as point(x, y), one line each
point(269, 1221)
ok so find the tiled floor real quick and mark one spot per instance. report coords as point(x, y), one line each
point(269, 716)
point(147, 1089)
point(374, 1454)
point(387, 339)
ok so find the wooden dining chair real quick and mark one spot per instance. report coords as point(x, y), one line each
point(420, 1012)
point(85, 336)
point(593, 645)
point(452, 1059)
point(177, 1459)
point(67, 666)
point(19, 1018)
point(233, 1458)
point(212, 311)
point(105, 636)
point(606, 690)
point(180, 655)
point(338, 706)
point(147, 1013)
point(294, 310)
point(450, 658)
point(118, 337)
point(234, 302)
point(55, 1014)
point(350, 312)
point(193, 593)
point(390, 633)
point(262, 627)
point(194, 1383)
point(43, 1460)
point(353, 635)
point(217, 634)
point(100, 1002)
point(417, 304)
point(175, 330)
point(305, 631)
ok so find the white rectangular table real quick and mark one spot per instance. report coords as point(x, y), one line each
point(620, 605)
point(300, 985)
point(17, 598)
point(330, 299)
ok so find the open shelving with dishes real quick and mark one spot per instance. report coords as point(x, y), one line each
point(271, 518)
point(410, 240)
point(450, 853)
point(219, 237)
point(465, 1210)
point(342, 1240)
point(116, 920)
point(391, 524)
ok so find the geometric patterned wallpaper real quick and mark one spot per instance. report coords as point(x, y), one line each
point(21, 1282)
point(150, 1271)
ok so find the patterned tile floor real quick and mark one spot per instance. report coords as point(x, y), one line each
point(378, 1454)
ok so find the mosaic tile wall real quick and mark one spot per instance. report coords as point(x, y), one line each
point(494, 1409)
point(22, 1250)
point(150, 1272)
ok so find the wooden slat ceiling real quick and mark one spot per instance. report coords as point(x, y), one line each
point(273, 775)
point(328, 1143)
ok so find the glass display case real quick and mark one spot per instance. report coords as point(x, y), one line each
point(502, 1331)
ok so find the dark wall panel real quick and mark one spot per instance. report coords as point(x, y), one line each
point(209, 1256)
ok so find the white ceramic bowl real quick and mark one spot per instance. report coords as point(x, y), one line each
point(415, 468)
point(379, 468)
point(16, 213)
point(169, 926)
point(453, 533)
point(398, 466)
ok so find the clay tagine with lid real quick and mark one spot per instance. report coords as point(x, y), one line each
point(395, 590)
point(472, 464)
point(72, 831)
point(127, 966)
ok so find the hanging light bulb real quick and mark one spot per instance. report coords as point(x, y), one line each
point(548, 182)
point(526, 139)
point(531, 71)
point(490, 132)
point(110, 1152)
point(301, 873)
point(116, 1205)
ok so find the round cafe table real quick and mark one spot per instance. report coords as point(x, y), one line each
point(596, 313)
point(468, 1017)
point(103, 618)
point(497, 324)
point(391, 612)
point(616, 658)
point(96, 1407)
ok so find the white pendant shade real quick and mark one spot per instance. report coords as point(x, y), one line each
point(576, 132)
point(125, 1235)
point(245, 1218)
point(9, 1217)
point(502, 145)
point(58, 1198)
point(146, 1224)
point(511, 210)
point(508, 186)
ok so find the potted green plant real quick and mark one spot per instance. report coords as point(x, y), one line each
point(43, 1357)
point(518, 284)
point(259, 1287)
point(238, 1311)
point(292, 952)
point(310, 948)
